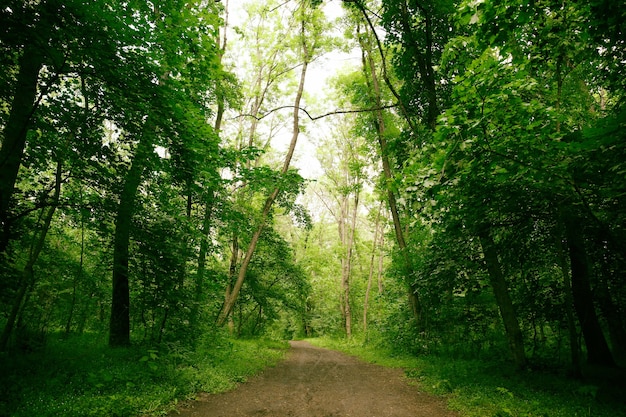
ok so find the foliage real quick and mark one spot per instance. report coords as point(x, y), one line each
point(520, 91)
point(137, 153)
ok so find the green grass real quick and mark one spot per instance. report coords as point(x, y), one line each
point(494, 389)
point(78, 377)
point(82, 377)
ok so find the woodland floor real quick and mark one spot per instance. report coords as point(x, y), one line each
point(316, 382)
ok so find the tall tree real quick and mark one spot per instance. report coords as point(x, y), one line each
point(506, 160)
point(344, 179)
point(598, 352)
point(384, 132)
point(503, 298)
point(176, 44)
point(308, 42)
point(377, 244)
point(36, 246)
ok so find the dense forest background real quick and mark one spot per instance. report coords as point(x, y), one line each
point(442, 177)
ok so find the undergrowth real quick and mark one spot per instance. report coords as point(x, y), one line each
point(81, 377)
point(477, 388)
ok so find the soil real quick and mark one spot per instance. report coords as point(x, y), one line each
point(316, 382)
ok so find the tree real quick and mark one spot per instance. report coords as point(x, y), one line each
point(344, 172)
point(502, 162)
point(309, 36)
point(503, 298)
point(421, 29)
point(49, 61)
point(419, 42)
point(33, 255)
point(165, 113)
point(377, 267)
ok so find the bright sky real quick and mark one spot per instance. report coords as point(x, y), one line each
point(318, 74)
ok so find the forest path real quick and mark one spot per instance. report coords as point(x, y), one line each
point(316, 382)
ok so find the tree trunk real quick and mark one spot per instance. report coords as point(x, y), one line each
point(204, 249)
point(70, 315)
point(598, 352)
point(503, 299)
point(611, 314)
point(414, 300)
point(342, 231)
point(28, 277)
point(608, 304)
point(371, 272)
point(162, 325)
point(232, 273)
point(15, 130)
point(569, 308)
point(386, 79)
point(81, 265)
point(119, 324)
point(380, 266)
point(347, 238)
point(209, 198)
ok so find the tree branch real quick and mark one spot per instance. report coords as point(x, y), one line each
point(321, 116)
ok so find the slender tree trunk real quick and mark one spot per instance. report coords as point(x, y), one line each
point(202, 255)
point(368, 63)
point(70, 316)
point(609, 310)
point(351, 251)
point(232, 274)
point(17, 304)
point(368, 290)
point(79, 276)
point(503, 299)
point(371, 271)
point(342, 230)
point(403, 107)
point(347, 232)
point(607, 302)
point(162, 325)
point(565, 270)
point(243, 269)
point(15, 130)
point(569, 308)
point(28, 277)
point(598, 352)
point(231, 297)
point(380, 266)
point(209, 198)
point(119, 324)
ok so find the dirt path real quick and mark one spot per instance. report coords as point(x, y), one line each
point(315, 382)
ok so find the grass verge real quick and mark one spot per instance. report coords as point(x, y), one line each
point(483, 389)
point(78, 377)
